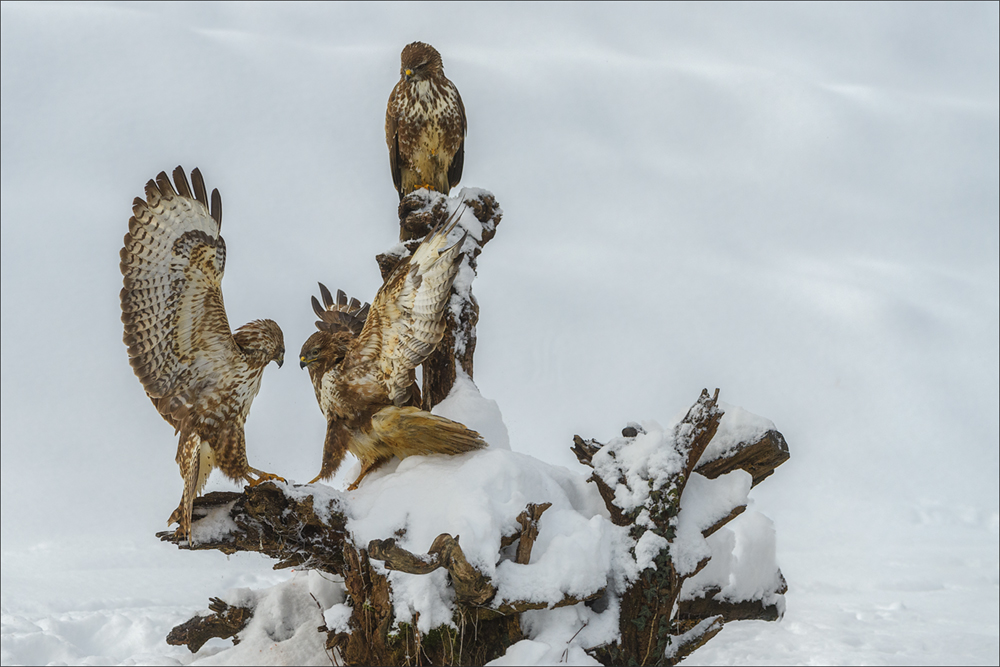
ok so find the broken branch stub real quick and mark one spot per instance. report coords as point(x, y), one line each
point(266, 520)
point(224, 622)
point(759, 457)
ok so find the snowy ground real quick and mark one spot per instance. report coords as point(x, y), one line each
point(797, 204)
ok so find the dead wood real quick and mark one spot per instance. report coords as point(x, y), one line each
point(736, 511)
point(654, 628)
point(473, 590)
point(759, 458)
point(224, 622)
point(697, 609)
point(266, 520)
point(694, 638)
point(529, 531)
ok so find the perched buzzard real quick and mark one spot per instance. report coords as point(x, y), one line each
point(424, 124)
point(362, 358)
point(201, 377)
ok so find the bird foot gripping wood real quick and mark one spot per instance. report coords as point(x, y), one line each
point(182, 532)
point(263, 477)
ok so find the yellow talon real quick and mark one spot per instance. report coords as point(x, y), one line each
point(262, 477)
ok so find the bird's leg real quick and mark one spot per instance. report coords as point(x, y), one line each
point(190, 463)
point(366, 468)
point(261, 477)
point(177, 517)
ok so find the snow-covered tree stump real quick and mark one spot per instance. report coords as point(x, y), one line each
point(479, 214)
point(643, 480)
point(673, 571)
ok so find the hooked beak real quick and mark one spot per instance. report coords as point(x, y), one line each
point(280, 360)
point(303, 362)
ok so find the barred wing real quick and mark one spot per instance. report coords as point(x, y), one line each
point(406, 320)
point(176, 329)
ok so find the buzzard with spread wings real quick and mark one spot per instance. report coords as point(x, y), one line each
point(201, 377)
point(424, 124)
point(362, 358)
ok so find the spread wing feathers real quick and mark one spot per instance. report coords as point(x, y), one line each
point(411, 431)
point(406, 321)
point(339, 315)
point(176, 328)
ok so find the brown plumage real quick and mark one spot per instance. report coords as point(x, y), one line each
point(424, 124)
point(362, 358)
point(201, 377)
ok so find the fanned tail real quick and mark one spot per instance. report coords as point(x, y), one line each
point(339, 315)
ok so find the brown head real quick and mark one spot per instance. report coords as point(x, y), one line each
point(323, 351)
point(420, 61)
point(261, 342)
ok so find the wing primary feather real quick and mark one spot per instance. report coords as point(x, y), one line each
point(455, 217)
point(445, 226)
point(318, 309)
point(183, 187)
point(217, 206)
point(341, 299)
point(460, 244)
point(200, 193)
point(164, 185)
point(325, 293)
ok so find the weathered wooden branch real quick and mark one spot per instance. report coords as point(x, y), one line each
point(736, 511)
point(266, 520)
point(472, 588)
point(224, 622)
point(585, 450)
point(759, 458)
point(529, 531)
point(693, 638)
point(700, 608)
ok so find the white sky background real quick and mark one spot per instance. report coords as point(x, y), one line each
point(797, 204)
